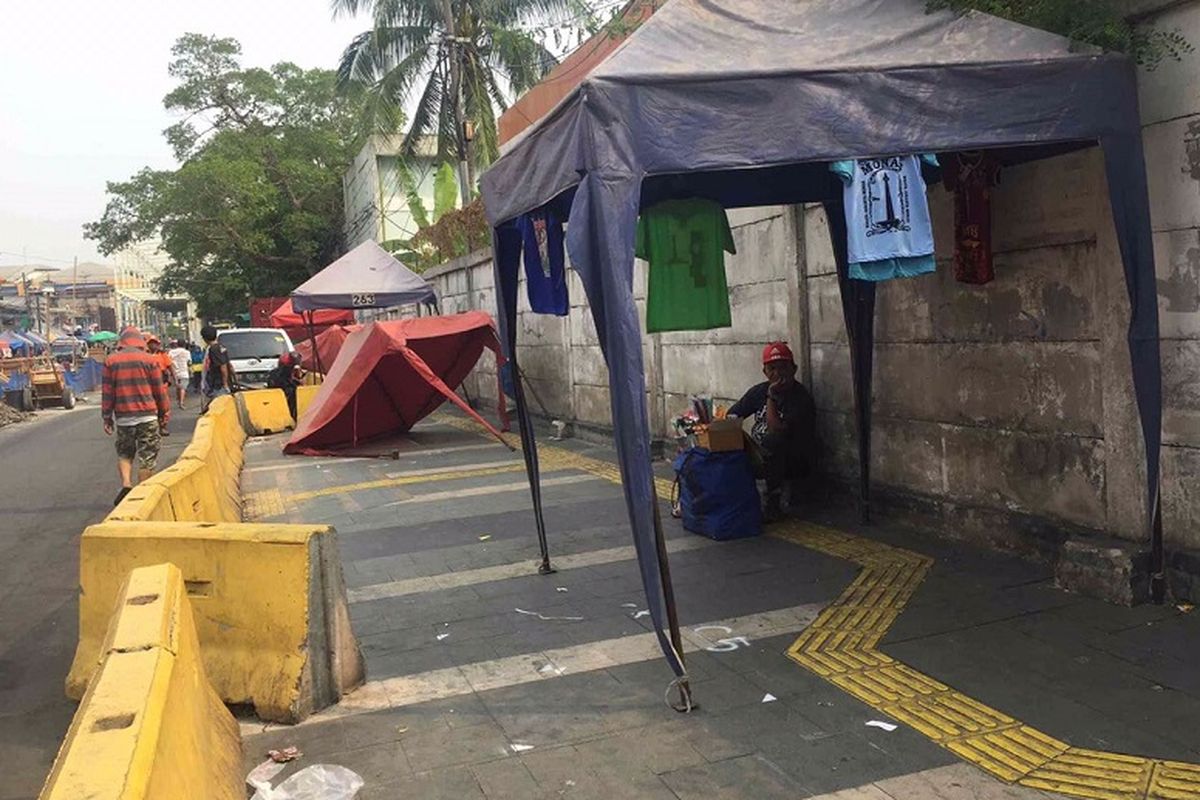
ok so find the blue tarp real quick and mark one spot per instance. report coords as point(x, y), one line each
point(86, 377)
point(744, 102)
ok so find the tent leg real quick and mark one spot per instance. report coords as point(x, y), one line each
point(685, 704)
point(524, 425)
point(858, 310)
point(312, 338)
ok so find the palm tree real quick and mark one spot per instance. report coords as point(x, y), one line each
point(499, 46)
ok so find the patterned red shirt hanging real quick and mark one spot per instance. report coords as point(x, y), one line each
point(971, 177)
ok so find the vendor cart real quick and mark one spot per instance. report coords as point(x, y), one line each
point(48, 386)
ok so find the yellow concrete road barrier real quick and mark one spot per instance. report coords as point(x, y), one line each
point(227, 425)
point(269, 603)
point(146, 502)
point(264, 411)
point(150, 726)
point(304, 397)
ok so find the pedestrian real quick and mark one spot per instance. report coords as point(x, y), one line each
point(217, 377)
point(165, 365)
point(181, 361)
point(135, 402)
point(287, 375)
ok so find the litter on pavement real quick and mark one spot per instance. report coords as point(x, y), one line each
point(285, 755)
point(546, 617)
point(318, 782)
point(886, 726)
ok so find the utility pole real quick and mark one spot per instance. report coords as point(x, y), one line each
point(460, 123)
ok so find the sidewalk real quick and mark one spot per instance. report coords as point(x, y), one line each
point(487, 680)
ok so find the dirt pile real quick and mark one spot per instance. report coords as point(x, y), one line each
point(9, 415)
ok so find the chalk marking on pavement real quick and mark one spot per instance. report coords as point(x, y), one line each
point(406, 690)
point(480, 491)
point(514, 569)
point(841, 647)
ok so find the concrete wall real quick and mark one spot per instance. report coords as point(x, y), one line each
point(561, 356)
point(1170, 98)
point(1007, 410)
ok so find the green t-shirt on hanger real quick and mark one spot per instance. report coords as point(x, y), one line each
point(685, 242)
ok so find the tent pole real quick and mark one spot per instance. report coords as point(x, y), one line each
point(858, 310)
point(664, 572)
point(525, 426)
point(312, 339)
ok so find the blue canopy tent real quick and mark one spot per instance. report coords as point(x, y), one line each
point(745, 102)
point(17, 342)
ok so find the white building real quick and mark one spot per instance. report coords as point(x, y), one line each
point(137, 270)
point(374, 193)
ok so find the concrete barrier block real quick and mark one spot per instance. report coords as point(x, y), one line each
point(150, 725)
point(304, 397)
point(219, 470)
point(145, 502)
point(269, 602)
point(227, 424)
point(264, 411)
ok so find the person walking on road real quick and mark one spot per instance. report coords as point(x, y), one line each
point(135, 402)
point(181, 362)
point(166, 368)
point(217, 376)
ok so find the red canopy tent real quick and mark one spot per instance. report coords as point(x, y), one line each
point(329, 344)
point(296, 324)
point(390, 375)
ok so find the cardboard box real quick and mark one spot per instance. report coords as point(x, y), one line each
point(722, 435)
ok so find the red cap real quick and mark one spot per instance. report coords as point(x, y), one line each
point(131, 337)
point(777, 351)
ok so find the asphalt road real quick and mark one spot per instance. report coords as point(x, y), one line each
point(57, 475)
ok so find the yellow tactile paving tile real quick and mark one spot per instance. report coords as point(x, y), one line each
point(840, 646)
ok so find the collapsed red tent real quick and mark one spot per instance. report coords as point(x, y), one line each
point(296, 323)
point(390, 375)
point(329, 344)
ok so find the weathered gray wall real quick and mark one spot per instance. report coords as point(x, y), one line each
point(561, 356)
point(994, 405)
point(1170, 99)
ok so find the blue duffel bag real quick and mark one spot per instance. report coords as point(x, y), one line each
point(718, 497)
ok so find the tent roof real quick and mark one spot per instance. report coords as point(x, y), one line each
point(703, 85)
point(366, 277)
point(285, 316)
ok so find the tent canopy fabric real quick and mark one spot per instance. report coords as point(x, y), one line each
point(15, 340)
point(390, 375)
point(329, 344)
point(287, 317)
point(744, 102)
point(366, 277)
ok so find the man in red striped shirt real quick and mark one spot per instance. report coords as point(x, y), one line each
point(135, 402)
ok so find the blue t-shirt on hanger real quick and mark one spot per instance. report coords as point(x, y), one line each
point(888, 228)
point(545, 262)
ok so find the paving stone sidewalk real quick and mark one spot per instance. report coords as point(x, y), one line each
point(488, 680)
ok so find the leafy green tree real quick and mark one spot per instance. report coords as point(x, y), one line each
point(1095, 22)
point(255, 206)
point(501, 46)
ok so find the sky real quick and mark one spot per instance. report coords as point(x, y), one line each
point(81, 88)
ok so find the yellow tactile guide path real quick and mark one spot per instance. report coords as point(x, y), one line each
point(841, 647)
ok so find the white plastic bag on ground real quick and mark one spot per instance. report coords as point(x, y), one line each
point(318, 782)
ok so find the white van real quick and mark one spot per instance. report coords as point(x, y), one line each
point(254, 352)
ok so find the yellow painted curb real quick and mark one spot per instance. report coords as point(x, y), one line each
point(269, 602)
point(150, 727)
point(264, 411)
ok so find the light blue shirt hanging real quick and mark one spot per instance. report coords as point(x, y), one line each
point(889, 233)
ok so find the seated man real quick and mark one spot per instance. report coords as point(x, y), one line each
point(782, 439)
